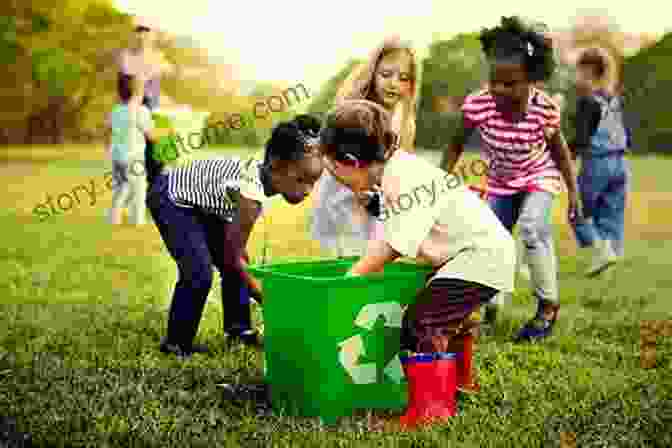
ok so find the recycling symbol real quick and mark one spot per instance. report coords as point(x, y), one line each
point(354, 348)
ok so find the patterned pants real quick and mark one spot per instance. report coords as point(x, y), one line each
point(440, 316)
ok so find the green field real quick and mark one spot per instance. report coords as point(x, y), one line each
point(82, 307)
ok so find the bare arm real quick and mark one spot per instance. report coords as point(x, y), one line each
point(375, 261)
point(563, 159)
point(249, 211)
point(455, 148)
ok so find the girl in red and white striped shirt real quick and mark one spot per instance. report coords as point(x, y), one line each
point(528, 157)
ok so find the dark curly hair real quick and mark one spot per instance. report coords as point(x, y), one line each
point(289, 139)
point(513, 39)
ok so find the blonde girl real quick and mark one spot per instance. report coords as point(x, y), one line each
point(389, 78)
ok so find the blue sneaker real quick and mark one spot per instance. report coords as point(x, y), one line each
point(541, 326)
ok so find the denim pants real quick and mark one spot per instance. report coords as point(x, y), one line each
point(532, 213)
point(197, 242)
point(603, 185)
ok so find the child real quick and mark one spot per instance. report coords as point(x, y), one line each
point(519, 126)
point(131, 124)
point(205, 211)
point(601, 141)
point(389, 79)
point(472, 254)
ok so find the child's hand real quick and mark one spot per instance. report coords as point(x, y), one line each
point(256, 289)
point(575, 212)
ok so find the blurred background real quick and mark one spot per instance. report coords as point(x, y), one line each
point(59, 79)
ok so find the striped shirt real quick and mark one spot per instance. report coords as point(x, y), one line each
point(518, 153)
point(215, 185)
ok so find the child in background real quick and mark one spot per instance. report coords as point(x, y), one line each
point(130, 122)
point(389, 79)
point(520, 131)
point(205, 211)
point(472, 254)
point(602, 140)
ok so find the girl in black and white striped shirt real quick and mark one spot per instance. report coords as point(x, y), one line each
point(205, 212)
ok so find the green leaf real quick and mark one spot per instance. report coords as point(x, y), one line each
point(40, 23)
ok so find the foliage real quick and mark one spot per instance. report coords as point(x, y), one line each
point(648, 93)
point(453, 68)
point(324, 101)
point(63, 81)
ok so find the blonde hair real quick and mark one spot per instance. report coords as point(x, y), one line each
point(359, 86)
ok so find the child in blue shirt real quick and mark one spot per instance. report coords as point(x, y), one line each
point(130, 122)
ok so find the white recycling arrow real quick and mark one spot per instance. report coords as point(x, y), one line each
point(394, 370)
point(353, 347)
point(369, 314)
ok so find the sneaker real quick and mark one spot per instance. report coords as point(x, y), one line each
point(614, 256)
point(249, 338)
point(602, 258)
point(541, 326)
point(179, 350)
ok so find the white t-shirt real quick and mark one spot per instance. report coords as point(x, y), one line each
point(430, 215)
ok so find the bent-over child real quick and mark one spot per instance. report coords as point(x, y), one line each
point(472, 254)
point(205, 211)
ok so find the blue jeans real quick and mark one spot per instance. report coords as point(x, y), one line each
point(603, 185)
point(197, 242)
point(532, 213)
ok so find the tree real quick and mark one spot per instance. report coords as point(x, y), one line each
point(63, 77)
point(647, 93)
point(324, 100)
point(452, 69)
point(56, 72)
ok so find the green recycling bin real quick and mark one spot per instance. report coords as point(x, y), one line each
point(186, 124)
point(332, 342)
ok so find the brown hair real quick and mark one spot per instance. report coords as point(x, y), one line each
point(127, 86)
point(361, 128)
point(606, 66)
point(359, 86)
point(595, 60)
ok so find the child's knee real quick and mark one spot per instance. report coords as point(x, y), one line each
point(198, 276)
point(534, 232)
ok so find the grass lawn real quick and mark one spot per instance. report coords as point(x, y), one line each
point(83, 305)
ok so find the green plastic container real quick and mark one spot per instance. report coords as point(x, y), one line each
point(331, 342)
point(172, 152)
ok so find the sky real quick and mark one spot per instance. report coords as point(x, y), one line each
point(300, 42)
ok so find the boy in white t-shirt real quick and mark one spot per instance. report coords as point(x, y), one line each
point(428, 215)
point(130, 121)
